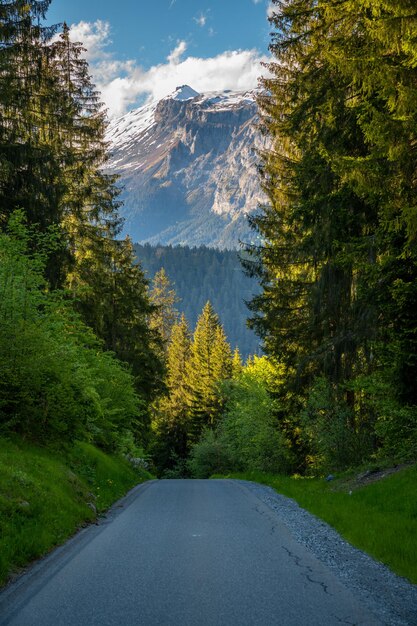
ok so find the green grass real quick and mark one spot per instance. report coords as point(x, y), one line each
point(380, 518)
point(45, 496)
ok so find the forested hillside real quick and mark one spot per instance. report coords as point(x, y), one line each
point(74, 310)
point(79, 362)
point(202, 274)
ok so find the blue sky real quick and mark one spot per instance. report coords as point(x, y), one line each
point(139, 49)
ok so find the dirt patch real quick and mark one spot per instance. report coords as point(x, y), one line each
point(369, 476)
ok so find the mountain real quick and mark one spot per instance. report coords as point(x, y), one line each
point(188, 168)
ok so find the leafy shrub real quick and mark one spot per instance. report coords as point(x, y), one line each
point(395, 423)
point(248, 436)
point(56, 382)
point(337, 438)
point(210, 456)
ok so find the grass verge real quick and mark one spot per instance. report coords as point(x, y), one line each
point(380, 518)
point(45, 496)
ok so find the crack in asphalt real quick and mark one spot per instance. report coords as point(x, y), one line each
point(344, 620)
point(309, 570)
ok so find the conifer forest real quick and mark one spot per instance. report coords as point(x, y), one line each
point(95, 350)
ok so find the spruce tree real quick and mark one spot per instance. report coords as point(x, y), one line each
point(237, 365)
point(171, 421)
point(374, 47)
point(337, 264)
point(27, 164)
point(164, 298)
point(210, 363)
point(312, 313)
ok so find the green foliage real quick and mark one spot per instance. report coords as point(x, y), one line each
point(45, 497)
point(209, 456)
point(338, 260)
point(56, 380)
point(380, 519)
point(249, 426)
point(195, 370)
point(164, 298)
point(334, 438)
point(395, 423)
point(210, 363)
point(171, 417)
point(112, 297)
point(248, 436)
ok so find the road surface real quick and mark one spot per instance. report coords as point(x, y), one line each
point(183, 553)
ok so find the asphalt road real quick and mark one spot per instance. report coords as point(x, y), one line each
point(183, 553)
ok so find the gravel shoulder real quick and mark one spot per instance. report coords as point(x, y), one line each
point(391, 598)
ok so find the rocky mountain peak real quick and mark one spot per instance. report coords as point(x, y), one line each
point(184, 92)
point(188, 168)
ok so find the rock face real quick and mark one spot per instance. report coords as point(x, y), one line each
point(188, 168)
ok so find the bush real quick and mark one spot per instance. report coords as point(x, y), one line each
point(250, 428)
point(56, 382)
point(337, 439)
point(248, 437)
point(209, 456)
point(395, 423)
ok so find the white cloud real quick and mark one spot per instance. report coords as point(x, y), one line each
point(95, 38)
point(122, 83)
point(256, 1)
point(271, 9)
point(175, 56)
point(200, 20)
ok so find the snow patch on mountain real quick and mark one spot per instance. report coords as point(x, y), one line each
point(183, 93)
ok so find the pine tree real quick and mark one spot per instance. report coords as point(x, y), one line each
point(237, 365)
point(52, 146)
point(171, 422)
point(116, 305)
point(385, 94)
point(317, 251)
point(210, 362)
point(338, 263)
point(27, 164)
point(52, 165)
point(89, 204)
point(164, 298)
point(222, 356)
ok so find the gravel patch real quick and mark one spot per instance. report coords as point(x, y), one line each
point(391, 598)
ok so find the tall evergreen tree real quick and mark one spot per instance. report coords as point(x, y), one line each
point(385, 94)
point(164, 298)
point(209, 363)
point(52, 159)
point(338, 261)
point(117, 306)
point(237, 365)
point(310, 310)
point(27, 165)
point(171, 422)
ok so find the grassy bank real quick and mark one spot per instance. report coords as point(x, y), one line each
point(379, 518)
point(45, 496)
